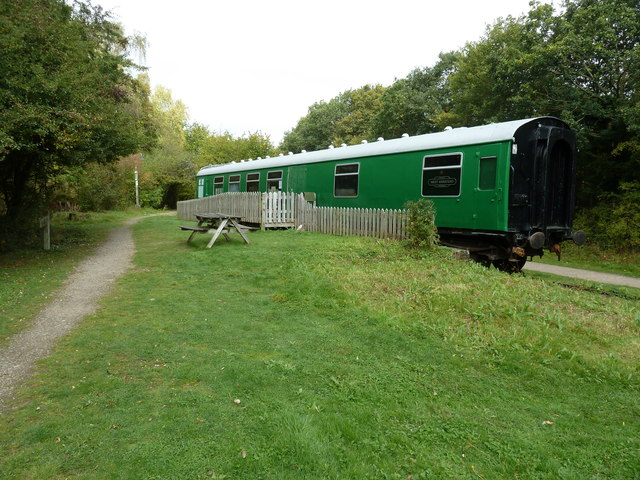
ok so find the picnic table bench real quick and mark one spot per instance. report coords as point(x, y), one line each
point(216, 224)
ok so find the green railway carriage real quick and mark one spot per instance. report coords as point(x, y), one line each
point(503, 191)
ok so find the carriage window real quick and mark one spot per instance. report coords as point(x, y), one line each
point(234, 183)
point(274, 181)
point(346, 180)
point(218, 185)
point(487, 180)
point(200, 187)
point(253, 182)
point(441, 175)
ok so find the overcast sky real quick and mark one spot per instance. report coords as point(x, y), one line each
point(249, 65)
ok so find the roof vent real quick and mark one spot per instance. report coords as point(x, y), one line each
point(364, 142)
point(303, 151)
point(259, 158)
point(448, 128)
point(281, 155)
point(290, 153)
point(405, 135)
point(380, 139)
point(250, 160)
point(343, 145)
point(331, 146)
point(268, 156)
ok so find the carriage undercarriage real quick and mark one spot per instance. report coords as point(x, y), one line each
point(507, 252)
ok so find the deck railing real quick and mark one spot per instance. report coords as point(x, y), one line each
point(280, 209)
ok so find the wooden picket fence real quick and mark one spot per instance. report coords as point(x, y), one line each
point(366, 222)
point(279, 209)
point(245, 205)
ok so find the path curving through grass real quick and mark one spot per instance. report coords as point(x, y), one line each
point(78, 298)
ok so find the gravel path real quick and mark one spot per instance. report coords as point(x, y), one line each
point(78, 298)
point(599, 277)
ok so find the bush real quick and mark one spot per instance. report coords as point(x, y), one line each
point(421, 229)
point(106, 187)
point(615, 221)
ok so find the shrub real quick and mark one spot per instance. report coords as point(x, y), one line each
point(615, 221)
point(421, 229)
point(106, 187)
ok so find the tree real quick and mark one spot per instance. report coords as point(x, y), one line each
point(363, 106)
point(599, 47)
point(508, 73)
point(418, 103)
point(167, 171)
point(67, 96)
point(209, 148)
point(170, 117)
point(315, 131)
point(347, 118)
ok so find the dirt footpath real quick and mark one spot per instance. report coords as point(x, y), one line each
point(599, 277)
point(78, 298)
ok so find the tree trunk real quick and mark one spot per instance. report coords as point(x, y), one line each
point(15, 171)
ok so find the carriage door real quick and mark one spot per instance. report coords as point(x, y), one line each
point(487, 188)
point(560, 172)
point(554, 165)
point(208, 186)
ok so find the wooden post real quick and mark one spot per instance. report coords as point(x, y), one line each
point(45, 225)
point(263, 211)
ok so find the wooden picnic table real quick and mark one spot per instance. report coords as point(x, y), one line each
point(216, 224)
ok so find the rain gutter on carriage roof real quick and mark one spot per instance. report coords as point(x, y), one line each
point(457, 137)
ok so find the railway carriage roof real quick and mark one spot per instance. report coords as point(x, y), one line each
point(457, 137)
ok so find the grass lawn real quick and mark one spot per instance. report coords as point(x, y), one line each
point(312, 356)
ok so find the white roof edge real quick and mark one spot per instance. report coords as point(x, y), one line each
point(494, 132)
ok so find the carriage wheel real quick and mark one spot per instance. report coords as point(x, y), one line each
point(509, 267)
point(481, 259)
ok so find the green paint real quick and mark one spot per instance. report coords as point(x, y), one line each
point(389, 181)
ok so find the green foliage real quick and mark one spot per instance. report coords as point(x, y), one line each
point(348, 118)
point(421, 229)
point(509, 73)
point(356, 126)
point(208, 148)
point(94, 187)
point(418, 103)
point(66, 96)
point(166, 172)
point(106, 187)
point(170, 117)
point(315, 131)
point(615, 221)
